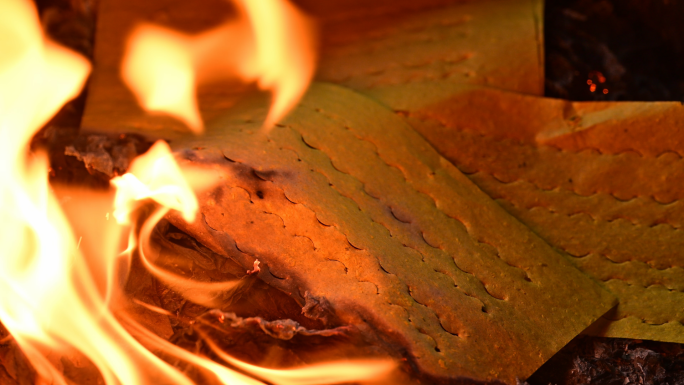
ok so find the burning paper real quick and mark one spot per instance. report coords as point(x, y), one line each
point(59, 289)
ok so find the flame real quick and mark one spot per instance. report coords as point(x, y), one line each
point(60, 295)
point(270, 43)
point(156, 176)
point(327, 373)
point(50, 298)
point(159, 71)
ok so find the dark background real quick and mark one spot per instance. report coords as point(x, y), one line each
point(636, 45)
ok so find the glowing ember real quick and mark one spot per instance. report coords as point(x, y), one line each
point(61, 294)
point(595, 78)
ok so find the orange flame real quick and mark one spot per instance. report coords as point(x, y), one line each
point(156, 176)
point(270, 43)
point(50, 298)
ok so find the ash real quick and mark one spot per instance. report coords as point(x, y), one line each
point(613, 361)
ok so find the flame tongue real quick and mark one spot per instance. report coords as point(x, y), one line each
point(154, 175)
point(270, 43)
point(37, 77)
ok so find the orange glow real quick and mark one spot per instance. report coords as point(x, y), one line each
point(592, 88)
point(605, 91)
point(60, 272)
point(271, 43)
point(596, 75)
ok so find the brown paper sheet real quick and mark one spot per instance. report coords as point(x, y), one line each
point(344, 204)
point(363, 45)
point(489, 42)
point(599, 181)
point(401, 245)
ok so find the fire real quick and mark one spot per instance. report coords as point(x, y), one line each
point(156, 176)
point(270, 43)
point(62, 292)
